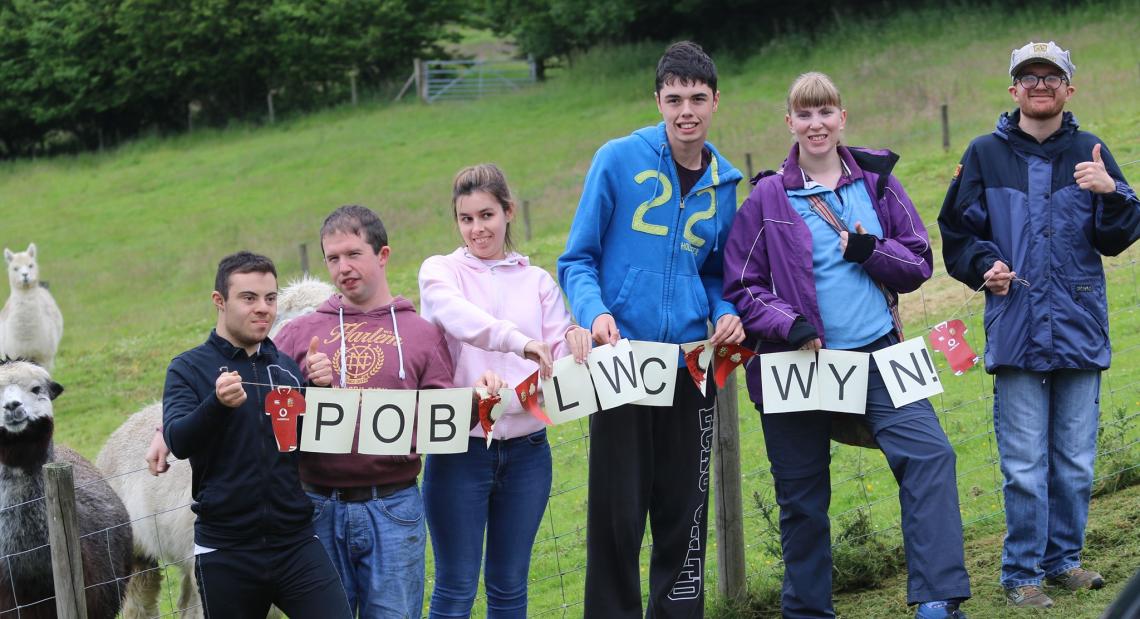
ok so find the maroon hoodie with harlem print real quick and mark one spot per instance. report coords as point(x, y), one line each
point(390, 347)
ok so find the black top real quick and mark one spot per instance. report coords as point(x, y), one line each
point(689, 177)
point(247, 494)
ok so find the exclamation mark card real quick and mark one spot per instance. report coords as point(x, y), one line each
point(908, 371)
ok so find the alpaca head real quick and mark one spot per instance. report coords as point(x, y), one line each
point(300, 297)
point(22, 269)
point(26, 418)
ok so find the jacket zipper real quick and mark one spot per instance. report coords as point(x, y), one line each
point(261, 447)
point(667, 293)
point(498, 305)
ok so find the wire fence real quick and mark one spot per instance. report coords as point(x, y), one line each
point(864, 507)
point(864, 494)
point(27, 572)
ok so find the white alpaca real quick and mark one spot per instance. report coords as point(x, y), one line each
point(300, 297)
point(30, 324)
point(160, 506)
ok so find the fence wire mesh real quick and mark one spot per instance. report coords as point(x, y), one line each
point(144, 577)
point(864, 495)
point(864, 507)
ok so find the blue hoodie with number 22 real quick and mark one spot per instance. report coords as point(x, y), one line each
point(645, 254)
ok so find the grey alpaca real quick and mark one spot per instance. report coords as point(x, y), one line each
point(26, 427)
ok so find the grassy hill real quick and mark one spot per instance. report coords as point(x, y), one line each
point(129, 239)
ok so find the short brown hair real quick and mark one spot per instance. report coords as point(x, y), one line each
point(356, 219)
point(813, 89)
point(488, 178)
point(687, 63)
point(240, 262)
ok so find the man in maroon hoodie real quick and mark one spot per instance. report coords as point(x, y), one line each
point(367, 510)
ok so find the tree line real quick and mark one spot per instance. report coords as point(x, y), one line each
point(95, 72)
point(81, 74)
point(556, 29)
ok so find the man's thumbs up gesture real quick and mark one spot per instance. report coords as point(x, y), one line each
point(1091, 175)
point(317, 365)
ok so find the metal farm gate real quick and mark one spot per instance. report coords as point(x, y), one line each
point(472, 79)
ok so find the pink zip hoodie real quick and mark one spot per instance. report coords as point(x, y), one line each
point(488, 311)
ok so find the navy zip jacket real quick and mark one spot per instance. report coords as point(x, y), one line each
point(246, 493)
point(1014, 199)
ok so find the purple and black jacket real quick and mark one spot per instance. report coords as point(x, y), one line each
point(768, 256)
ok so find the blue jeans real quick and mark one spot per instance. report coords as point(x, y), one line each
point(501, 491)
point(1046, 426)
point(377, 547)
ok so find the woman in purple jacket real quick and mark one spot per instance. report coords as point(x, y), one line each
point(829, 232)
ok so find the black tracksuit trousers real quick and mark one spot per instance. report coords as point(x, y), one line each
point(655, 461)
point(299, 579)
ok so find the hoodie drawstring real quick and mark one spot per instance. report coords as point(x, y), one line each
point(714, 170)
point(343, 352)
point(399, 346)
point(343, 355)
point(657, 175)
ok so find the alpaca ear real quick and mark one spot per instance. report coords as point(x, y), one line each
point(8, 255)
point(54, 389)
point(31, 250)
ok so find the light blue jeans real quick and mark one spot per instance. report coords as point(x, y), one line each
point(500, 492)
point(1046, 426)
point(377, 547)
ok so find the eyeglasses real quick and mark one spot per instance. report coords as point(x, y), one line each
point(1029, 81)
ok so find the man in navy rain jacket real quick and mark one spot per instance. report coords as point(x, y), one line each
point(1031, 209)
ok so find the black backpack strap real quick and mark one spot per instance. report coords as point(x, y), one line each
point(879, 164)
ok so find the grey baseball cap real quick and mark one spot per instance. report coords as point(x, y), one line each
point(1048, 53)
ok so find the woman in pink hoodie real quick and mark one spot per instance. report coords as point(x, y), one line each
point(497, 313)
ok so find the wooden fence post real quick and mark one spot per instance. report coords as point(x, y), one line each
point(63, 536)
point(414, 78)
point(192, 109)
point(748, 164)
point(731, 581)
point(304, 248)
point(945, 127)
point(269, 104)
point(421, 81)
point(352, 84)
point(526, 218)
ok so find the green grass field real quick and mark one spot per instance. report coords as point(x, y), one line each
point(129, 239)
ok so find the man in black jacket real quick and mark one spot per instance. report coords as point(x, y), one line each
point(253, 536)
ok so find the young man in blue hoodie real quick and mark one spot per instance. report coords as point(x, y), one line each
point(643, 261)
point(1031, 209)
point(254, 543)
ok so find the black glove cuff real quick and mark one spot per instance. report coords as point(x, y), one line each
point(859, 247)
point(801, 332)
